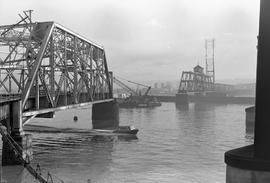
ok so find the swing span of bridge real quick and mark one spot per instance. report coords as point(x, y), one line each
point(48, 67)
point(44, 68)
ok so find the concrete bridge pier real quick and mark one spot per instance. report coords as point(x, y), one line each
point(9, 156)
point(181, 98)
point(251, 164)
point(105, 115)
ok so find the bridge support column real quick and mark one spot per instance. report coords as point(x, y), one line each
point(181, 98)
point(9, 156)
point(105, 115)
point(16, 119)
point(251, 164)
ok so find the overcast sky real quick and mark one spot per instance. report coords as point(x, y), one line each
point(157, 39)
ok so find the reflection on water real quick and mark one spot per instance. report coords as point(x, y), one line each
point(79, 156)
point(173, 145)
point(82, 155)
point(182, 107)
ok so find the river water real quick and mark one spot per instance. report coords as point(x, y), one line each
point(173, 145)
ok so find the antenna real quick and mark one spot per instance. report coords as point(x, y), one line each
point(210, 58)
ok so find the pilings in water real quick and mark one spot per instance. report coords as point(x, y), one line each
point(24, 151)
point(105, 115)
point(18, 137)
point(251, 164)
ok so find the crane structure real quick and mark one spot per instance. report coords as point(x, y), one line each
point(124, 86)
point(136, 99)
point(147, 90)
point(130, 90)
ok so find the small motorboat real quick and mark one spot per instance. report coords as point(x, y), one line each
point(127, 130)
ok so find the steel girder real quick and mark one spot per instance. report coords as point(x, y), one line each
point(47, 59)
point(196, 82)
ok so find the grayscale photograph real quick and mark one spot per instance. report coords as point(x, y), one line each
point(135, 91)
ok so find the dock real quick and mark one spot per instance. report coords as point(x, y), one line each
point(217, 100)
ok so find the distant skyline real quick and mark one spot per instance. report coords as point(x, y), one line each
point(157, 39)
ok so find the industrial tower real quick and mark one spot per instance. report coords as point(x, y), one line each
point(210, 58)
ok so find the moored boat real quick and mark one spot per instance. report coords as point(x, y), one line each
point(127, 130)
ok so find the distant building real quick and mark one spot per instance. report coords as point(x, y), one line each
point(162, 85)
point(155, 85)
point(168, 86)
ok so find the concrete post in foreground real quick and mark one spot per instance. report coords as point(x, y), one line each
point(16, 118)
point(250, 120)
point(251, 164)
point(105, 115)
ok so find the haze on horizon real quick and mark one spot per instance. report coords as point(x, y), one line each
point(157, 39)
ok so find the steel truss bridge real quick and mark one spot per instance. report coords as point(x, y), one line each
point(195, 82)
point(49, 67)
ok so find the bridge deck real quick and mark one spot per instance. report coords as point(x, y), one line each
point(48, 110)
